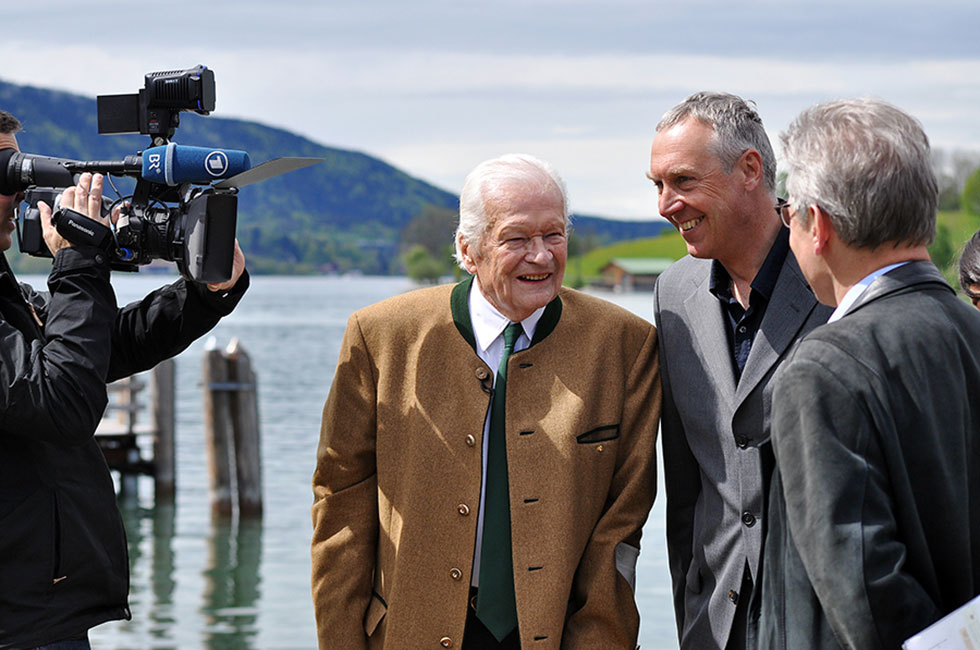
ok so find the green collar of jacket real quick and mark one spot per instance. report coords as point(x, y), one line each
point(460, 305)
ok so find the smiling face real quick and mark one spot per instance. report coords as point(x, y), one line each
point(520, 261)
point(703, 201)
point(8, 202)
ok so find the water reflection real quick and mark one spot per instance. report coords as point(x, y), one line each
point(162, 567)
point(149, 532)
point(230, 591)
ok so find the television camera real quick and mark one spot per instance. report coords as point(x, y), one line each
point(184, 204)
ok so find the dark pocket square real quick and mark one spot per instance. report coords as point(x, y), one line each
point(599, 434)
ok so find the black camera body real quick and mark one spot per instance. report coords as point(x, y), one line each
point(190, 225)
point(195, 234)
point(75, 227)
point(30, 235)
point(198, 234)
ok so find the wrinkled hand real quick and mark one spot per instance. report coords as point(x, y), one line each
point(236, 272)
point(86, 198)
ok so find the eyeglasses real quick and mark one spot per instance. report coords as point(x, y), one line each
point(782, 209)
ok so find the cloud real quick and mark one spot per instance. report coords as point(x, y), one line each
point(438, 85)
point(605, 176)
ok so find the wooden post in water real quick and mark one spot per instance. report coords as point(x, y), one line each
point(231, 429)
point(217, 427)
point(245, 424)
point(128, 406)
point(164, 420)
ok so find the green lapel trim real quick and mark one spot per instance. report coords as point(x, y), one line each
point(548, 322)
point(460, 306)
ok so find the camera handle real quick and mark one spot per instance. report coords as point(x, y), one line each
point(79, 229)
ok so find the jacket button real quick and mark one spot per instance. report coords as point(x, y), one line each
point(748, 519)
point(481, 374)
point(733, 596)
point(446, 642)
point(455, 574)
point(470, 440)
point(463, 509)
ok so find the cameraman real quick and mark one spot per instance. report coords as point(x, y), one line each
point(63, 558)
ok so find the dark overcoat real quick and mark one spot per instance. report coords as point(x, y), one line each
point(874, 528)
point(64, 565)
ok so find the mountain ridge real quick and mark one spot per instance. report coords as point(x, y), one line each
point(344, 214)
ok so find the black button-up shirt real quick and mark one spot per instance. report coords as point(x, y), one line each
point(744, 323)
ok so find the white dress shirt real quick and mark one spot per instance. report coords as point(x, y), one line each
point(855, 292)
point(488, 328)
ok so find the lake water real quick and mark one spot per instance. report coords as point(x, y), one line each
point(198, 582)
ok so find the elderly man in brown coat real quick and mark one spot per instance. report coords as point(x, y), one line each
point(447, 515)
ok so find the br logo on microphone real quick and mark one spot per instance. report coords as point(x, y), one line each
point(216, 163)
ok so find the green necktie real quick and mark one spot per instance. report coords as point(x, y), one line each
point(495, 604)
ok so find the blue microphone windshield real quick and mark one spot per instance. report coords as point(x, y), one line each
point(174, 164)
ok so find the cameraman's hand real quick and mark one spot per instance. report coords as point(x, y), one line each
point(51, 236)
point(85, 198)
point(236, 272)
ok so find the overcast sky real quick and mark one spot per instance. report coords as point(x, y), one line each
point(436, 86)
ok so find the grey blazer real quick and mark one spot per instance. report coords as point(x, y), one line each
point(874, 528)
point(711, 428)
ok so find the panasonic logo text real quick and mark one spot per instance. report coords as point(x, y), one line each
point(87, 231)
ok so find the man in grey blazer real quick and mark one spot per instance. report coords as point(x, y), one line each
point(874, 528)
point(725, 316)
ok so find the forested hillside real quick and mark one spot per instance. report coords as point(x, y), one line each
point(347, 213)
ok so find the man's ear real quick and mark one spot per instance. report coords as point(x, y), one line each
point(750, 164)
point(466, 252)
point(821, 230)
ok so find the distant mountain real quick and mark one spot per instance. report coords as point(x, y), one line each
point(343, 214)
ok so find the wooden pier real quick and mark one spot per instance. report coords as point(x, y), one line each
point(120, 431)
point(231, 430)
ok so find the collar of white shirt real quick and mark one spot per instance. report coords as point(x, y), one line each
point(855, 292)
point(488, 323)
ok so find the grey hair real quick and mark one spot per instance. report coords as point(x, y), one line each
point(8, 123)
point(970, 265)
point(737, 128)
point(867, 164)
point(482, 186)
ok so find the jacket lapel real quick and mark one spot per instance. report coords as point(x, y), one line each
point(790, 305)
point(459, 305)
point(706, 319)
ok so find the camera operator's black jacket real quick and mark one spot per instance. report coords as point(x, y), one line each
point(64, 566)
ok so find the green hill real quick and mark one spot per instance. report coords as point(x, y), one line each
point(343, 214)
point(669, 245)
point(587, 268)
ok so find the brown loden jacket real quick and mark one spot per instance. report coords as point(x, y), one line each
point(397, 481)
